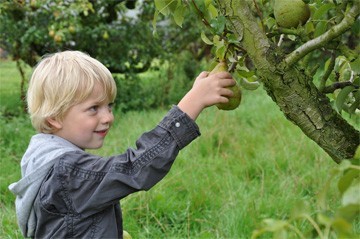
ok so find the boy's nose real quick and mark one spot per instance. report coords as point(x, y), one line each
point(107, 117)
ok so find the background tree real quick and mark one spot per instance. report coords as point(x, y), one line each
point(310, 68)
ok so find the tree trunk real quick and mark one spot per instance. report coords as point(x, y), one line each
point(291, 89)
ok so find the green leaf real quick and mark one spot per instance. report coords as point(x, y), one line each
point(309, 27)
point(162, 6)
point(321, 12)
point(220, 48)
point(232, 38)
point(322, 195)
point(324, 219)
point(344, 165)
point(270, 22)
point(348, 212)
point(217, 41)
point(342, 97)
point(356, 103)
point(273, 225)
point(320, 28)
point(352, 194)
point(345, 73)
point(342, 227)
point(347, 179)
point(218, 24)
point(300, 209)
point(174, 4)
point(156, 14)
point(179, 15)
point(245, 74)
point(280, 234)
point(341, 63)
point(213, 13)
point(206, 39)
point(220, 52)
point(256, 233)
point(207, 2)
point(248, 85)
point(355, 65)
point(356, 160)
point(165, 7)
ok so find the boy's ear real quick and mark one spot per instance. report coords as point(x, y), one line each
point(54, 123)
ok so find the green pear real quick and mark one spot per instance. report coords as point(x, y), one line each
point(235, 100)
point(291, 13)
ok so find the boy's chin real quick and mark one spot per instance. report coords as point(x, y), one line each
point(90, 147)
point(96, 147)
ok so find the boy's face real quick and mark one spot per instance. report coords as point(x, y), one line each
point(87, 123)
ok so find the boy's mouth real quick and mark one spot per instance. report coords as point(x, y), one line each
point(102, 133)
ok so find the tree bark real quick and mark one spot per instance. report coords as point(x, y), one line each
point(291, 89)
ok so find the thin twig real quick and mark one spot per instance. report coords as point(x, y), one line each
point(327, 72)
point(315, 225)
point(314, 69)
point(296, 231)
point(260, 14)
point(203, 19)
point(233, 65)
point(337, 85)
point(280, 40)
point(285, 31)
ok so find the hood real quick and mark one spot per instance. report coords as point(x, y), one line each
point(40, 156)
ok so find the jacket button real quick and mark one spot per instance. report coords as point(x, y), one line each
point(177, 124)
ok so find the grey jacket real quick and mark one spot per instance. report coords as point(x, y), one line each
point(68, 193)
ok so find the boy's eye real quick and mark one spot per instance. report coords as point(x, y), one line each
point(94, 108)
point(111, 105)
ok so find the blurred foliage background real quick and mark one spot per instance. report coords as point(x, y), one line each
point(119, 34)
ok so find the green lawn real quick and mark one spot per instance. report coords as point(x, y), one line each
point(248, 165)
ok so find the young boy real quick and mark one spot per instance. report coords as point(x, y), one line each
point(66, 192)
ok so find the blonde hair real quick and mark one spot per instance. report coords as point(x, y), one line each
point(62, 80)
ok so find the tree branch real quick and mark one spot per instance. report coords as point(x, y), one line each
point(337, 85)
point(321, 40)
point(22, 84)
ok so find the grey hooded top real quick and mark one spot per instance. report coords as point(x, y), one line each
point(40, 156)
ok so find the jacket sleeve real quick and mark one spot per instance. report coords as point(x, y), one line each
point(88, 181)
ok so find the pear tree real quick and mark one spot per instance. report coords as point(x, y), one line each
point(305, 54)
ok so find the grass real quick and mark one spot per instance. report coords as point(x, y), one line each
point(248, 165)
point(244, 168)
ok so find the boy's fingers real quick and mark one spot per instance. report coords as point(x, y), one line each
point(227, 82)
point(223, 75)
point(227, 92)
point(223, 100)
point(203, 74)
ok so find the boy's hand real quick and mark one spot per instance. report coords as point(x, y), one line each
point(207, 90)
